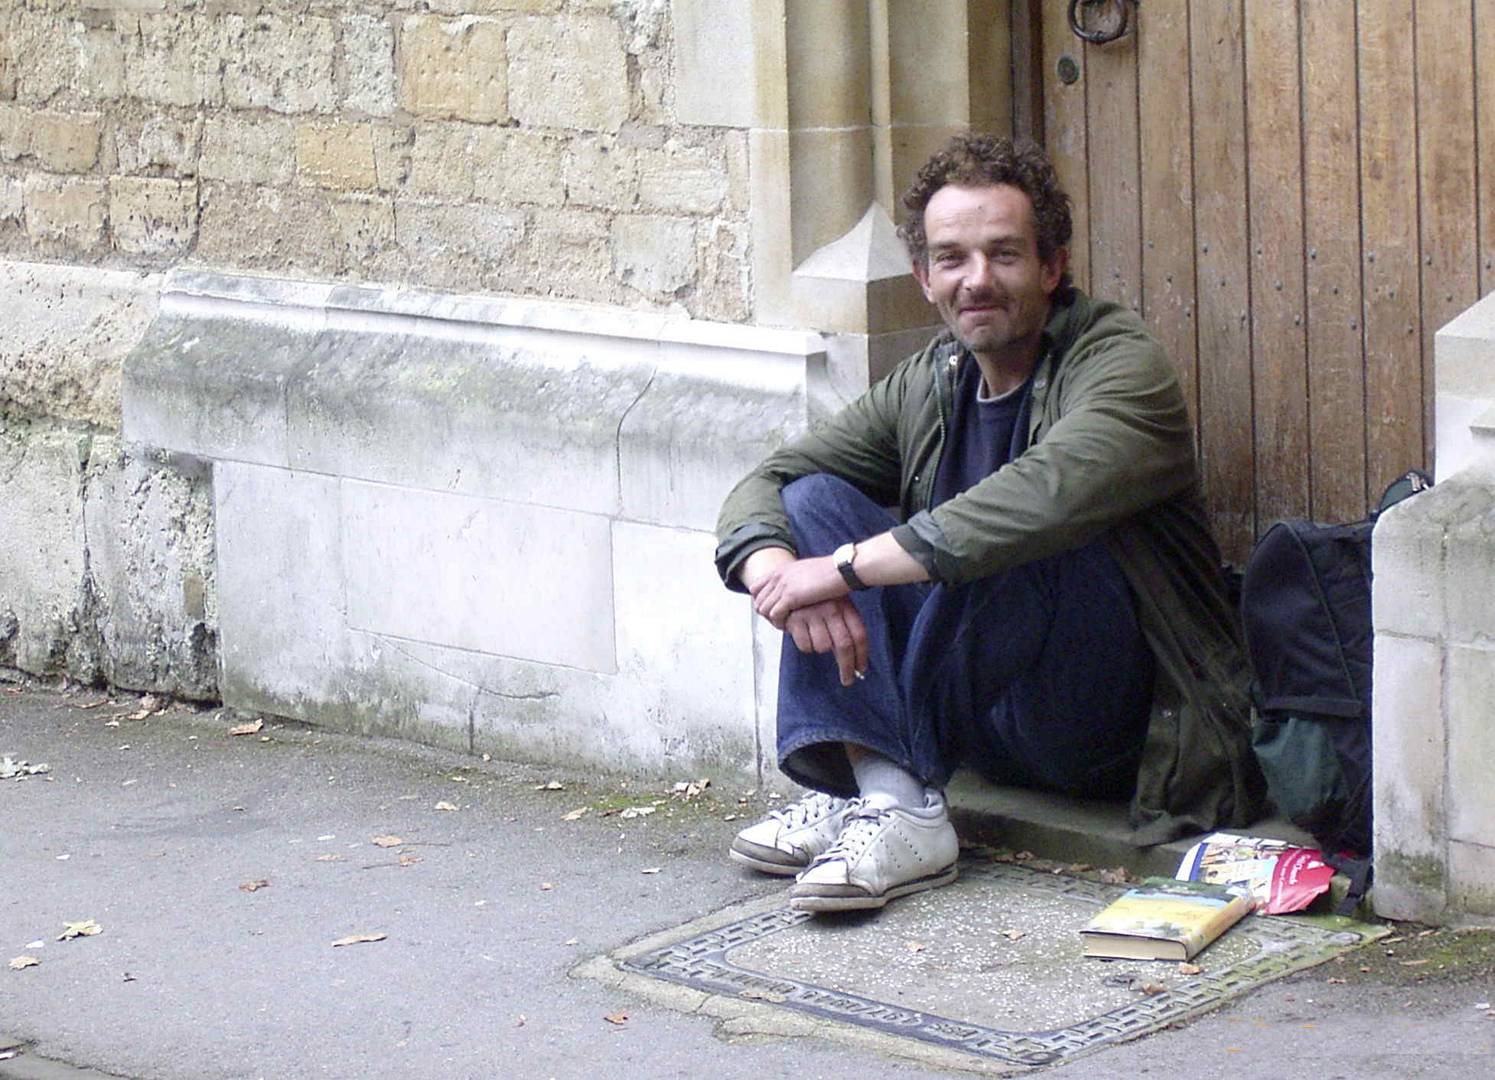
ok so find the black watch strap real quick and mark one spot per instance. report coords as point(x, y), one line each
point(848, 572)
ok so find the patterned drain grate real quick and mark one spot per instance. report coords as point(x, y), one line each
point(737, 960)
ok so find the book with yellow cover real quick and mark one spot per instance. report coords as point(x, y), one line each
point(1163, 919)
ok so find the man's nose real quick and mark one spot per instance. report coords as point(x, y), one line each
point(978, 276)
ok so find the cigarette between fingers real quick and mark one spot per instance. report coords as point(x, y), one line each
point(860, 674)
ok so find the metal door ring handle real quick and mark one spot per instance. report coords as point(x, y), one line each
point(1101, 37)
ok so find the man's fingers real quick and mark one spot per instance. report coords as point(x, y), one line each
point(858, 631)
point(845, 647)
point(799, 630)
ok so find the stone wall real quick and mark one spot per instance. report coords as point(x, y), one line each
point(517, 146)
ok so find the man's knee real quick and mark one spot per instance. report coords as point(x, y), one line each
point(814, 493)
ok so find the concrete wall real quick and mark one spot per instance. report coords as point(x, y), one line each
point(1434, 602)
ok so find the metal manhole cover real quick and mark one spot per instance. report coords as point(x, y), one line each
point(990, 966)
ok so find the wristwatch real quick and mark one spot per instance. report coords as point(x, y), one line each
point(843, 557)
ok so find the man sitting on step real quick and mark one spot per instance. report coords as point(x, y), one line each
point(1048, 606)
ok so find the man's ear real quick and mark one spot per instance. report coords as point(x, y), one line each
point(921, 275)
point(1053, 270)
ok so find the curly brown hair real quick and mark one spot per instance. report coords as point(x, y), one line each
point(973, 160)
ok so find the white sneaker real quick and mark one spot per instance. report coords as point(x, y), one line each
point(883, 851)
point(788, 839)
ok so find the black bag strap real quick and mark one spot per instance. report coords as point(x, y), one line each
point(1359, 871)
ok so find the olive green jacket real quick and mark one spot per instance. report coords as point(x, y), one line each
point(1110, 453)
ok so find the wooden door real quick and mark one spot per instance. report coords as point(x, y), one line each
point(1290, 193)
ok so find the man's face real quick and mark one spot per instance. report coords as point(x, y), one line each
point(983, 272)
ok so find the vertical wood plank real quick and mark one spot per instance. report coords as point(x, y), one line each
point(1026, 33)
point(1219, 127)
point(1275, 209)
point(1388, 192)
point(1484, 64)
point(1064, 130)
point(1446, 162)
point(1168, 188)
point(1331, 222)
point(1115, 173)
point(1446, 157)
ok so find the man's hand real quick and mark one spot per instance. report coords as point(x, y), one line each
point(832, 626)
point(800, 583)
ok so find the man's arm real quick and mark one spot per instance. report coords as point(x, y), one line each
point(809, 600)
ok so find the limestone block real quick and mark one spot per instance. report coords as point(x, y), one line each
point(454, 68)
point(514, 421)
point(724, 291)
point(703, 423)
point(1469, 555)
point(832, 185)
point(12, 206)
point(1471, 877)
point(713, 37)
point(175, 59)
point(569, 74)
point(366, 225)
point(43, 559)
point(681, 180)
point(830, 54)
point(159, 143)
point(739, 170)
point(15, 132)
point(1410, 815)
point(150, 564)
point(495, 7)
point(442, 160)
point(64, 336)
point(454, 238)
point(152, 217)
point(267, 228)
point(214, 389)
point(599, 171)
point(1471, 743)
point(517, 168)
point(392, 144)
point(496, 577)
point(43, 62)
point(366, 72)
point(282, 644)
point(248, 151)
point(64, 214)
point(655, 255)
point(280, 63)
point(768, 651)
point(100, 58)
point(66, 142)
point(568, 249)
point(336, 155)
point(684, 641)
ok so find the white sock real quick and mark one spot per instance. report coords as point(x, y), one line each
point(877, 775)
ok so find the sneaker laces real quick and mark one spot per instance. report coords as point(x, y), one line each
point(859, 828)
point(801, 812)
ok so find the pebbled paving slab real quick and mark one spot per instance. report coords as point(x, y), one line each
point(985, 974)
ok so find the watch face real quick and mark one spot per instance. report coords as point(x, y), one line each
point(843, 555)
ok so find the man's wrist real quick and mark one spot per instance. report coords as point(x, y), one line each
point(844, 558)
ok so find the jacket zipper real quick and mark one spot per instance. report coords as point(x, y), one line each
point(942, 391)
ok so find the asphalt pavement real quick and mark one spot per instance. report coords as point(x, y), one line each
point(292, 903)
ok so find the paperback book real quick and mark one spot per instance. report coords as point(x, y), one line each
point(1164, 919)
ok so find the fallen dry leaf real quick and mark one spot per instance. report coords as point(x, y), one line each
point(569, 941)
point(409, 858)
point(1413, 963)
point(387, 841)
point(1151, 988)
point(616, 1018)
point(357, 939)
point(1117, 876)
point(443, 805)
point(752, 993)
point(331, 856)
point(1334, 981)
point(546, 886)
point(1014, 935)
point(573, 815)
point(551, 785)
point(254, 886)
point(651, 870)
point(914, 946)
point(251, 728)
point(636, 811)
point(1189, 969)
point(21, 963)
point(519, 1021)
point(86, 928)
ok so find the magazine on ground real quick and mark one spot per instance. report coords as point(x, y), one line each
point(1281, 877)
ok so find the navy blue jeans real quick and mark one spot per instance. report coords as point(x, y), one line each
point(1038, 676)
